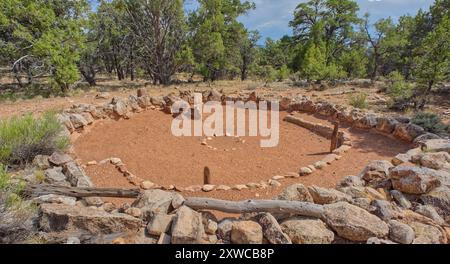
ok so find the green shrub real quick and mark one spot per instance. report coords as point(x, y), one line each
point(16, 214)
point(358, 100)
point(283, 73)
point(431, 122)
point(399, 90)
point(22, 138)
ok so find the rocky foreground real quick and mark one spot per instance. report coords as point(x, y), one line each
point(406, 200)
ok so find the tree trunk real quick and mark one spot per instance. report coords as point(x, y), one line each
point(44, 189)
point(252, 206)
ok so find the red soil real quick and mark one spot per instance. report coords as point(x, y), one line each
point(150, 151)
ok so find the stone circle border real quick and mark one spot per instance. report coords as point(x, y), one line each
point(80, 116)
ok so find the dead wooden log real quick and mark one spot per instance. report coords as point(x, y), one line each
point(206, 176)
point(252, 206)
point(79, 192)
point(334, 137)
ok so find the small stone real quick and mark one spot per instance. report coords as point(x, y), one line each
point(296, 192)
point(305, 171)
point(223, 188)
point(208, 187)
point(116, 161)
point(246, 232)
point(274, 183)
point(277, 177)
point(211, 227)
point(193, 188)
point(240, 187)
point(401, 199)
point(430, 212)
point(272, 230)
point(91, 163)
point(147, 185)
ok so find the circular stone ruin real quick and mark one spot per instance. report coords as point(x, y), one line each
point(128, 142)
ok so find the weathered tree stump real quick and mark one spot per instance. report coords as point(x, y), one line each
point(334, 137)
point(206, 176)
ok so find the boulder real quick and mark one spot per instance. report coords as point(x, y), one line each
point(246, 232)
point(439, 198)
point(427, 234)
point(413, 180)
point(78, 121)
point(386, 124)
point(120, 107)
point(430, 212)
point(436, 145)
point(436, 160)
point(376, 172)
point(152, 202)
point(55, 176)
point(350, 181)
point(59, 158)
point(88, 117)
point(362, 192)
point(64, 119)
point(224, 229)
point(408, 132)
point(385, 210)
point(141, 92)
point(296, 192)
point(366, 122)
point(160, 223)
point(41, 162)
point(76, 175)
point(61, 217)
point(158, 101)
point(400, 232)
point(353, 223)
point(327, 196)
point(302, 230)
point(272, 230)
point(425, 137)
point(187, 227)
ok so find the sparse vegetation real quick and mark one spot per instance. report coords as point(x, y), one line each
point(22, 138)
point(358, 100)
point(399, 91)
point(15, 213)
point(431, 122)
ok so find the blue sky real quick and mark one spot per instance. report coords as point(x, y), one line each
point(271, 17)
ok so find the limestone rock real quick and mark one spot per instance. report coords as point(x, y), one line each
point(224, 228)
point(413, 180)
point(376, 171)
point(353, 223)
point(350, 181)
point(436, 160)
point(408, 132)
point(438, 198)
point(436, 145)
point(41, 162)
point(385, 210)
point(305, 171)
point(187, 227)
point(60, 217)
point(272, 230)
point(78, 121)
point(377, 241)
point(400, 199)
point(160, 223)
point(427, 234)
point(296, 192)
point(386, 124)
point(303, 230)
point(153, 202)
point(59, 158)
point(76, 175)
point(400, 232)
point(246, 232)
point(430, 212)
point(327, 196)
point(53, 198)
point(55, 176)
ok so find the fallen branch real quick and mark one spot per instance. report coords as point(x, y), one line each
point(252, 206)
point(79, 192)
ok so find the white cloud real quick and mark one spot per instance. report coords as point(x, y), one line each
point(272, 17)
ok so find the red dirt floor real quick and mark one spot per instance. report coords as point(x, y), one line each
point(150, 151)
